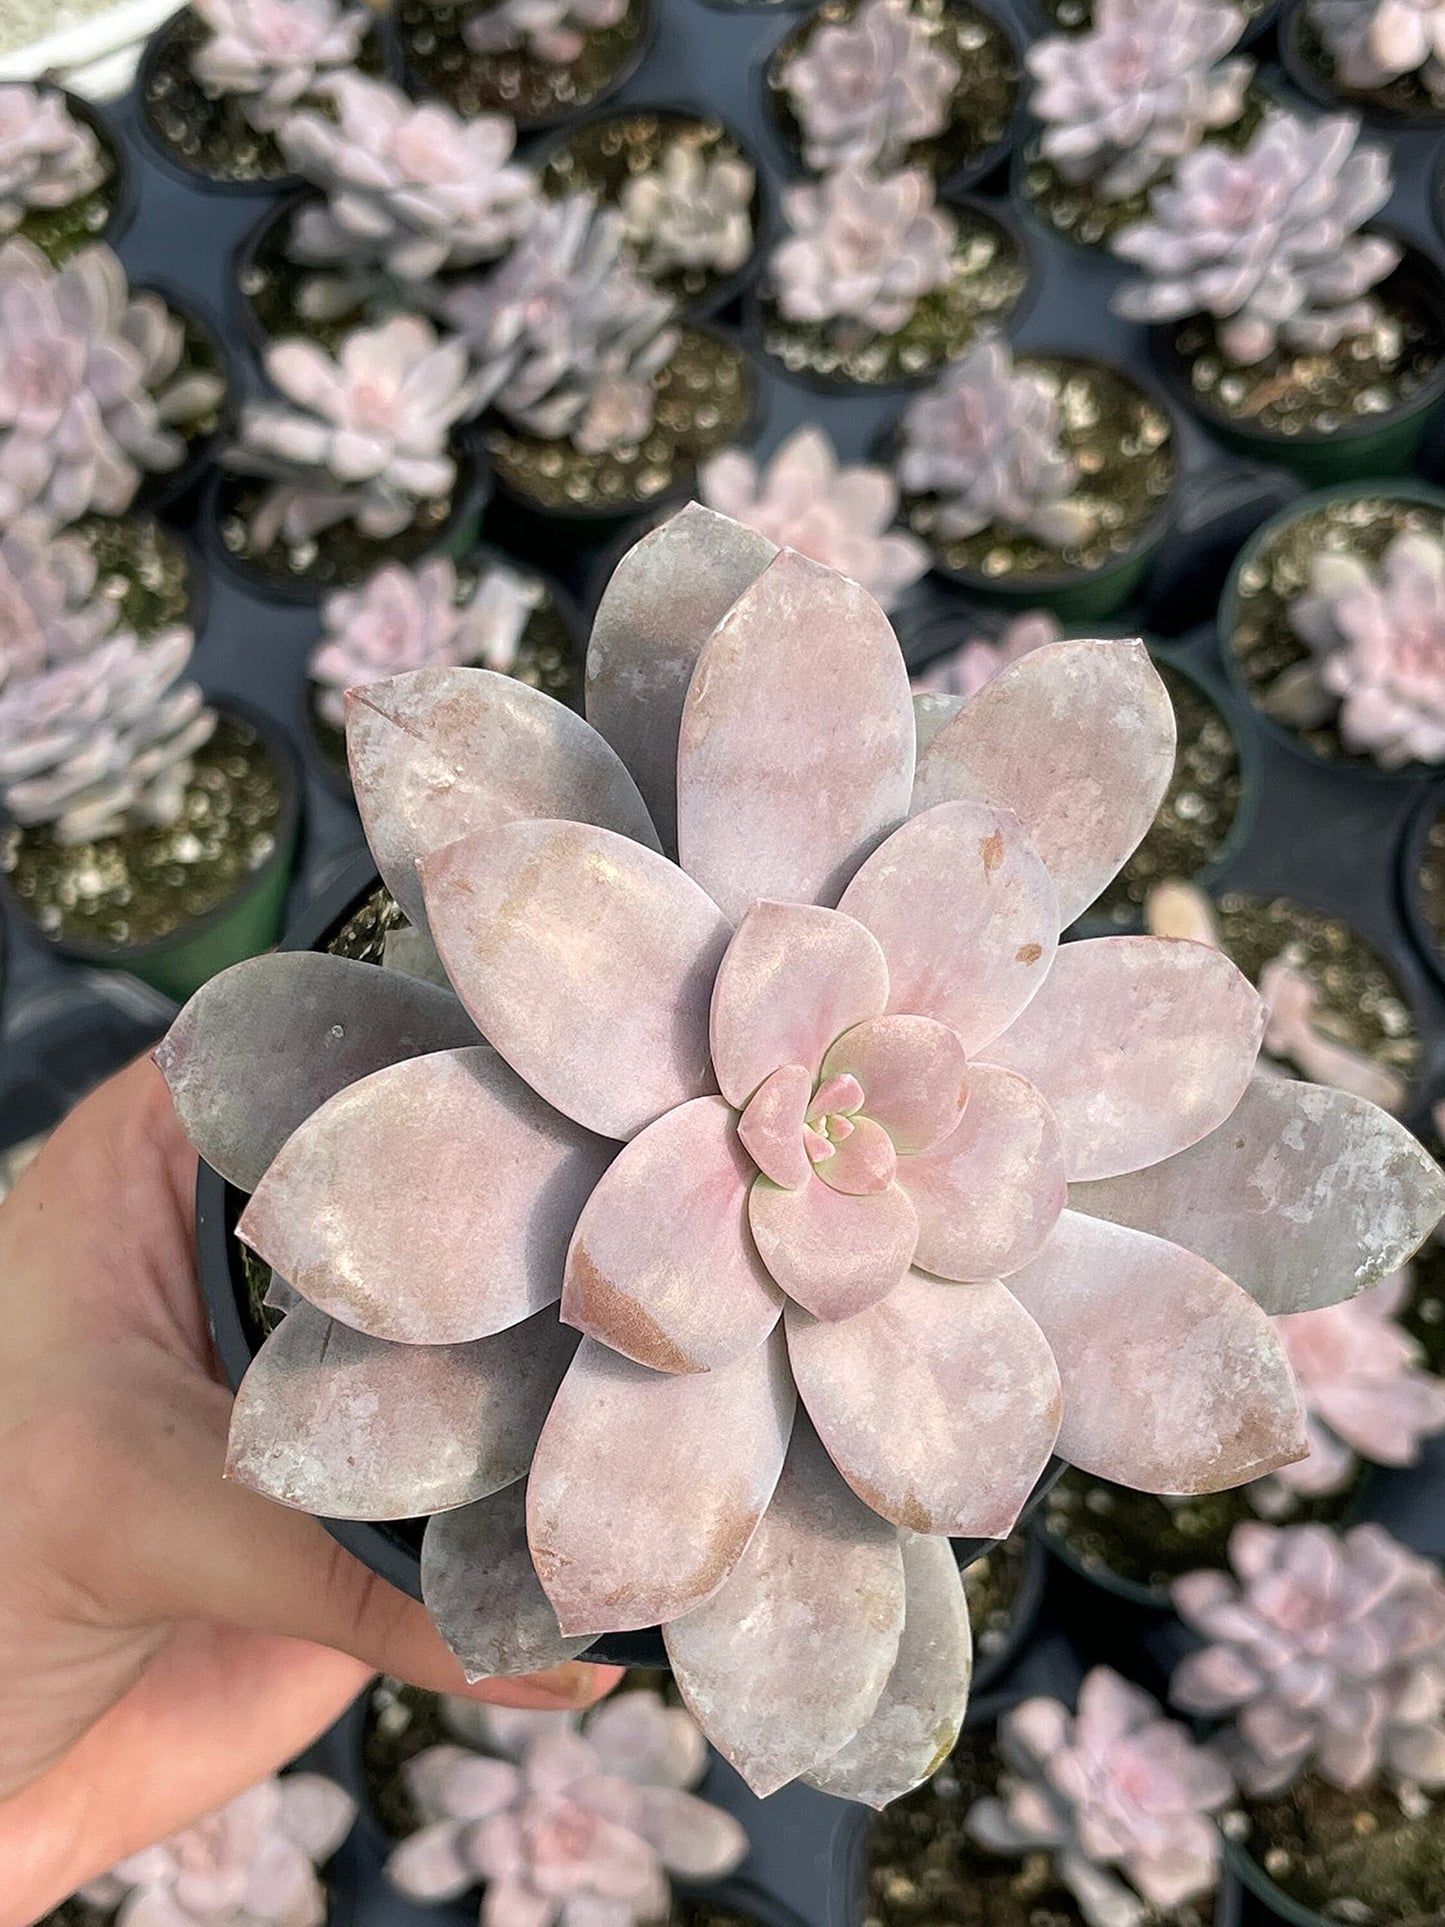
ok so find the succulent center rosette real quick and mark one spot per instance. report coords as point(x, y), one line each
point(806, 1195)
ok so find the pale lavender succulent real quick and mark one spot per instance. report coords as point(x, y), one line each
point(1267, 241)
point(1328, 1657)
point(861, 249)
point(361, 437)
point(48, 158)
point(577, 1825)
point(965, 670)
point(270, 54)
point(91, 393)
point(49, 611)
point(410, 188)
point(985, 441)
point(253, 1863)
point(1118, 1795)
point(1124, 102)
point(863, 90)
point(566, 334)
point(803, 500)
point(692, 211)
point(1372, 42)
point(411, 619)
point(552, 31)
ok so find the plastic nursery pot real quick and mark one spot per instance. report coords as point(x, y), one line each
point(1421, 848)
point(102, 215)
point(989, 1690)
point(1253, 1879)
point(204, 346)
point(1075, 16)
point(246, 259)
point(1399, 104)
point(1379, 445)
point(165, 86)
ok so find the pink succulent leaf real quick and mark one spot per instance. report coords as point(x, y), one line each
point(692, 1838)
point(773, 1127)
point(483, 1593)
point(796, 751)
point(1139, 1045)
point(647, 1742)
point(918, 1717)
point(612, 1520)
point(316, 1813)
point(1174, 1380)
point(505, 1730)
point(510, 1903)
point(665, 598)
point(1304, 1195)
point(991, 1193)
point(662, 1266)
point(1100, 733)
point(332, 1422)
point(833, 1251)
point(431, 1865)
point(537, 918)
point(51, 158)
point(964, 670)
point(785, 1663)
point(853, 1155)
point(913, 1077)
point(267, 1042)
point(394, 1262)
point(793, 979)
point(439, 753)
point(966, 915)
point(974, 1443)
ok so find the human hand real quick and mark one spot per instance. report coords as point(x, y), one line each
point(166, 1637)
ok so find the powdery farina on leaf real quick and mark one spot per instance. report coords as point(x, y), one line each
point(835, 1046)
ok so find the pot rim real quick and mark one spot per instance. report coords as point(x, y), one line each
point(1312, 83)
point(159, 150)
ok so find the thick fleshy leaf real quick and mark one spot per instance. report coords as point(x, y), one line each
point(438, 754)
point(861, 1159)
point(1077, 739)
point(940, 1406)
point(913, 1074)
point(647, 1486)
point(484, 1183)
point(787, 1661)
point(587, 960)
point(989, 1196)
point(662, 1266)
point(1303, 1195)
point(483, 1593)
point(931, 710)
point(265, 1043)
point(916, 1723)
point(967, 917)
point(835, 1253)
point(330, 1421)
point(1139, 1045)
point(1174, 1379)
point(771, 1128)
point(693, 1838)
point(667, 595)
point(794, 978)
point(796, 752)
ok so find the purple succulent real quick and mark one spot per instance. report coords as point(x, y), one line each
point(48, 158)
point(862, 249)
point(864, 89)
point(269, 54)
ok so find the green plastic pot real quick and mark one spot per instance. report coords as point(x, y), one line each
point(1254, 1878)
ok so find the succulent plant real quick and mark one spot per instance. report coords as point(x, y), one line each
point(250, 1864)
point(862, 249)
point(364, 437)
point(90, 393)
point(1124, 102)
point(1117, 1795)
point(553, 31)
point(48, 159)
point(803, 500)
point(984, 439)
point(413, 189)
point(965, 670)
point(1328, 1657)
point(713, 1244)
point(1266, 241)
point(864, 89)
point(587, 1823)
point(410, 619)
point(566, 334)
point(1372, 42)
point(97, 744)
point(49, 612)
point(269, 54)
point(692, 211)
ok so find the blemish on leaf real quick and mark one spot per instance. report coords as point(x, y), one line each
point(992, 851)
point(1028, 953)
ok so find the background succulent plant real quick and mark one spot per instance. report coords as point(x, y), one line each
point(691, 211)
point(48, 158)
point(554, 31)
point(965, 670)
point(1372, 42)
point(862, 249)
point(269, 54)
point(49, 611)
point(864, 89)
point(1267, 241)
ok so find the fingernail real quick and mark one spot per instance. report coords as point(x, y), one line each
point(577, 1683)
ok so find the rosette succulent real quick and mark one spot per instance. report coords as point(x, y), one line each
point(803, 500)
point(1118, 1796)
point(965, 670)
point(1266, 241)
point(1124, 102)
point(1327, 1656)
point(553, 31)
point(252, 1863)
point(864, 89)
point(769, 1145)
point(48, 158)
point(91, 387)
point(985, 441)
point(269, 54)
point(1372, 42)
point(862, 249)
point(692, 211)
point(49, 612)
point(572, 1824)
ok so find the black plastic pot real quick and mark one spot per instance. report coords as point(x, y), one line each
point(1310, 78)
point(121, 191)
point(1038, 21)
point(1412, 852)
point(156, 50)
point(991, 1689)
point(164, 490)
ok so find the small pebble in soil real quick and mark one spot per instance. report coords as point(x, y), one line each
point(1372, 1856)
point(531, 91)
